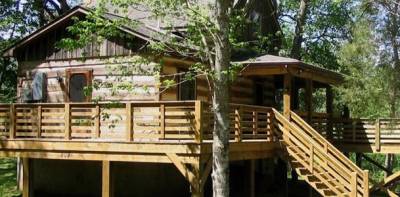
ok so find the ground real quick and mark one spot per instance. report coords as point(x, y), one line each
point(8, 180)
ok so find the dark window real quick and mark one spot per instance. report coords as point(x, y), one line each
point(259, 91)
point(77, 84)
point(187, 89)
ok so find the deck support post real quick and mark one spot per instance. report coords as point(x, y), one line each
point(287, 100)
point(106, 185)
point(280, 172)
point(287, 90)
point(308, 99)
point(25, 177)
point(329, 111)
point(294, 95)
point(252, 166)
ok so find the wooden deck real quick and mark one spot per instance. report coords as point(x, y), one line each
point(159, 132)
point(140, 131)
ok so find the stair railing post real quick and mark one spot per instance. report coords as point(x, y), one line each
point(366, 183)
point(312, 159)
point(378, 135)
point(353, 184)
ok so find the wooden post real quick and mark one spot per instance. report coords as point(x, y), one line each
point(312, 159)
point(378, 135)
point(329, 111)
point(96, 133)
point(353, 123)
point(294, 95)
point(366, 183)
point(238, 132)
point(67, 121)
point(12, 121)
point(39, 121)
point(353, 184)
point(308, 99)
point(162, 120)
point(252, 178)
point(106, 177)
point(128, 123)
point(287, 90)
point(255, 124)
point(199, 121)
point(25, 177)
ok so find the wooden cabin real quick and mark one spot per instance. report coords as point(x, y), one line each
point(156, 141)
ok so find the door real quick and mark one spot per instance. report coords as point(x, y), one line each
point(78, 80)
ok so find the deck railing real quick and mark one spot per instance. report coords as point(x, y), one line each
point(375, 132)
point(357, 131)
point(132, 121)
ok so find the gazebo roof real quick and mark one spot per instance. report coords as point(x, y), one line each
point(277, 65)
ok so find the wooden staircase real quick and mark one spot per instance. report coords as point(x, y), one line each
point(317, 161)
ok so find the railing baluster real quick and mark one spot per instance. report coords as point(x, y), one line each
point(255, 123)
point(39, 121)
point(96, 133)
point(128, 122)
point(162, 120)
point(238, 132)
point(12, 121)
point(199, 121)
point(67, 121)
point(378, 135)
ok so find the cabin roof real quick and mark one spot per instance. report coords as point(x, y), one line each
point(277, 65)
point(144, 30)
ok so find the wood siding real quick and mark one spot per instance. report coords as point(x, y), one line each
point(45, 47)
point(146, 89)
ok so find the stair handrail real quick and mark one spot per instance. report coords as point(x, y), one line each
point(348, 166)
point(324, 140)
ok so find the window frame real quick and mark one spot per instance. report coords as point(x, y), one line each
point(88, 73)
point(179, 91)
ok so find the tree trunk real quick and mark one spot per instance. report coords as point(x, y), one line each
point(220, 99)
point(394, 33)
point(298, 36)
point(39, 7)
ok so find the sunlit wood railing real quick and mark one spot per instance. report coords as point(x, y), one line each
point(320, 158)
point(247, 122)
point(357, 131)
point(132, 121)
point(374, 132)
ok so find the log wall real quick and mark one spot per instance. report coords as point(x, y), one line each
point(146, 89)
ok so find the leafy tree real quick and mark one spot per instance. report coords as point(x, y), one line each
point(315, 29)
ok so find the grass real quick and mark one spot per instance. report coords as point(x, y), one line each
point(8, 178)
